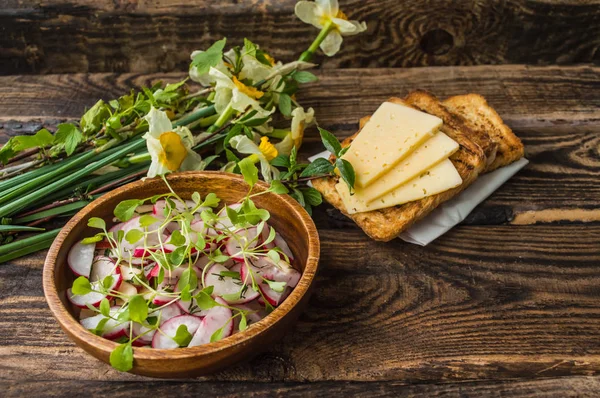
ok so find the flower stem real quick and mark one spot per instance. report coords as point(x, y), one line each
point(27, 242)
point(308, 54)
point(223, 118)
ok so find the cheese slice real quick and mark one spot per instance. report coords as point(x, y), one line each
point(393, 132)
point(439, 178)
point(433, 151)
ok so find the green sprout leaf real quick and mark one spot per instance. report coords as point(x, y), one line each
point(147, 220)
point(211, 200)
point(209, 58)
point(125, 210)
point(285, 104)
point(330, 142)
point(81, 286)
point(304, 77)
point(217, 335)
point(204, 301)
point(93, 239)
point(91, 122)
point(178, 255)
point(279, 287)
point(278, 187)
point(177, 238)
point(182, 336)
point(134, 235)
point(121, 358)
point(320, 166)
point(249, 171)
point(188, 279)
point(250, 48)
point(138, 308)
point(96, 222)
point(243, 322)
point(105, 307)
point(196, 198)
point(68, 135)
point(274, 256)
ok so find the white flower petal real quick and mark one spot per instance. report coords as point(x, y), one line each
point(309, 13)
point(221, 78)
point(193, 161)
point(359, 28)
point(345, 27)
point(269, 172)
point(158, 123)
point(254, 70)
point(332, 43)
point(240, 101)
point(285, 146)
point(330, 7)
point(244, 145)
point(222, 99)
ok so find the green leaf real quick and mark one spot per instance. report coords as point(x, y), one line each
point(297, 194)
point(211, 200)
point(188, 279)
point(105, 307)
point(69, 135)
point(100, 326)
point(40, 139)
point(81, 286)
point(174, 86)
point(200, 243)
point(230, 274)
point(204, 301)
point(177, 238)
point(147, 220)
point(346, 171)
point(278, 187)
point(96, 222)
point(285, 104)
point(196, 198)
point(178, 255)
point(250, 48)
point(312, 196)
point(182, 336)
point(243, 322)
point(318, 167)
point(107, 282)
point(134, 235)
point(209, 58)
point(279, 287)
point(92, 121)
point(217, 335)
point(93, 239)
point(281, 161)
point(121, 358)
point(304, 77)
point(249, 171)
point(125, 210)
point(138, 308)
point(232, 214)
point(330, 142)
point(19, 228)
point(274, 256)
point(271, 236)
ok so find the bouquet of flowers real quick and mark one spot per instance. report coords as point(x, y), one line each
point(243, 116)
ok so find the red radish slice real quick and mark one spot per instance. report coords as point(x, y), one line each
point(159, 207)
point(164, 314)
point(217, 317)
point(102, 267)
point(127, 289)
point(164, 339)
point(254, 312)
point(274, 298)
point(264, 267)
point(113, 329)
point(227, 286)
point(282, 244)
point(80, 258)
point(151, 270)
point(92, 298)
point(247, 239)
point(129, 272)
point(167, 286)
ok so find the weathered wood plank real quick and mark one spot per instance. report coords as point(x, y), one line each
point(555, 110)
point(560, 387)
point(499, 302)
point(59, 36)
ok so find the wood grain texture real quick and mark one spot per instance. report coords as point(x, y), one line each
point(565, 387)
point(67, 36)
point(464, 308)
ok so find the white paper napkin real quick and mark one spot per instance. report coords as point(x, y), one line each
point(452, 212)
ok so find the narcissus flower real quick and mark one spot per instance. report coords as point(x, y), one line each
point(169, 148)
point(326, 14)
point(300, 120)
point(263, 153)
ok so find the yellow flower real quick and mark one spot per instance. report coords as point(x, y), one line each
point(267, 148)
point(245, 145)
point(251, 92)
point(269, 58)
point(174, 152)
point(300, 120)
point(320, 13)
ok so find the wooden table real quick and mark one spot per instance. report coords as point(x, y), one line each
point(506, 304)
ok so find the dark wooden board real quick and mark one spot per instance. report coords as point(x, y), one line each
point(580, 387)
point(67, 36)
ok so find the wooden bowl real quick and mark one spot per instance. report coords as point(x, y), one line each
point(287, 217)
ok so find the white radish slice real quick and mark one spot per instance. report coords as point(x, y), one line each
point(102, 267)
point(129, 272)
point(151, 270)
point(223, 221)
point(91, 298)
point(246, 240)
point(164, 339)
point(80, 258)
point(167, 286)
point(282, 244)
point(265, 235)
point(274, 298)
point(164, 314)
point(142, 209)
point(224, 286)
point(217, 317)
point(254, 312)
point(127, 289)
point(264, 267)
point(113, 329)
point(159, 207)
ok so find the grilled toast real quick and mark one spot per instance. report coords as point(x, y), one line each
point(470, 160)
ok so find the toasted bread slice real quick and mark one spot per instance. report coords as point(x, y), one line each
point(478, 115)
point(386, 224)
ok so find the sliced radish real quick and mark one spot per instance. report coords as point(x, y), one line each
point(226, 286)
point(127, 289)
point(263, 267)
point(151, 270)
point(160, 205)
point(91, 298)
point(168, 330)
point(217, 317)
point(164, 314)
point(102, 267)
point(247, 239)
point(142, 209)
point(254, 311)
point(130, 272)
point(167, 286)
point(113, 328)
point(274, 298)
point(282, 244)
point(80, 258)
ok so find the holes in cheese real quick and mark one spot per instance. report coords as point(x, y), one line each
point(433, 151)
point(393, 132)
point(439, 178)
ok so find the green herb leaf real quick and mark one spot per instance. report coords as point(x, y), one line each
point(330, 142)
point(69, 135)
point(217, 335)
point(178, 255)
point(100, 326)
point(318, 167)
point(105, 307)
point(96, 222)
point(274, 256)
point(304, 77)
point(204, 301)
point(81, 286)
point(147, 220)
point(177, 238)
point(196, 198)
point(285, 104)
point(312, 196)
point(249, 171)
point(281, 161)
point(107, 282)
point(92, 121)
point(188, 279)
point(271, 236)
point(121, 358)
point(125, 210)
point(211, 200)
point(243, 322)
point(250, 48)
point(346, 171)
point(209, 58)
point(134, 235)
point(93, 239)
point(174, 86)
point(230, 274)
point(182, 336)
point(138, 308)
point(232, 214)
point(278, 187)
point(279, 287)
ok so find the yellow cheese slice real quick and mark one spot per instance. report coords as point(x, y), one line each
point(393, 132)
point(441, 177)
point(433, 151)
